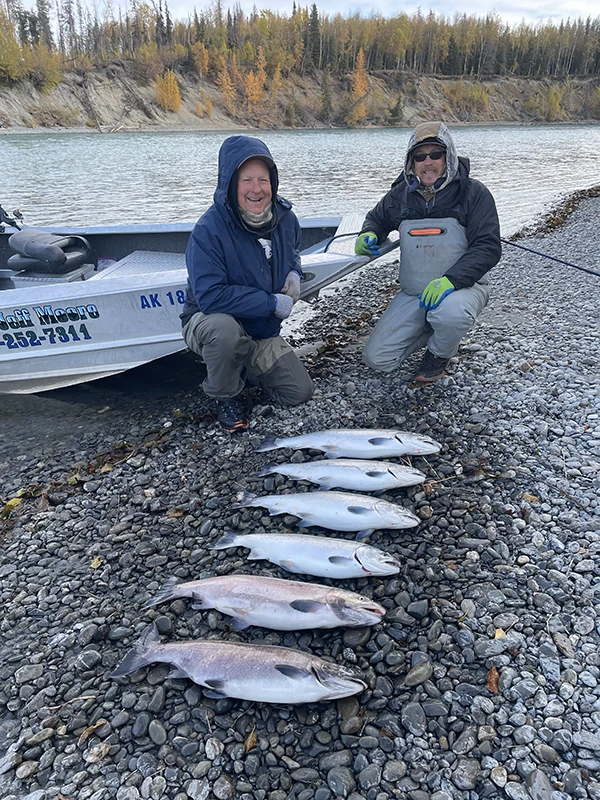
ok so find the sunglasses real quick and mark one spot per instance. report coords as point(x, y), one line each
point(435, 155)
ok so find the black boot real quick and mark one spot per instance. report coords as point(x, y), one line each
point(431, 368)
point(231, 414)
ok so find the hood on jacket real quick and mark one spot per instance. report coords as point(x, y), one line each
point(232, 154)
point(431, 133)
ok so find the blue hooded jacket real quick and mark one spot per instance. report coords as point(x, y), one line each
point(228, 271)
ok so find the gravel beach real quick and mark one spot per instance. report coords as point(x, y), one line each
point(484, 676)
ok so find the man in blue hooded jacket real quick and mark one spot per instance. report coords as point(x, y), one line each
point(244, 274)
point(449, 240)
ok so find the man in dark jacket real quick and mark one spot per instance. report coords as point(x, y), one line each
point(244, 276)
point(449, 239)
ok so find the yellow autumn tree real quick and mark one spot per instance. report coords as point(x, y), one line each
point(10, 53)
point(253, 90)
point(200, 58)
point(261, 68)
point(358, 95)
point(225, 84)
point(168, 95)
point(276, 82)
point(236, 76)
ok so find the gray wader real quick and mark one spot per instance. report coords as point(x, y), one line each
point(428, 249)
point(232, 357)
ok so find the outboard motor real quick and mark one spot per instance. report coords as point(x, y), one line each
point(47, 253)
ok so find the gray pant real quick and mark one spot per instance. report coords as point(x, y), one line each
point(231, 357)
point(404, 327)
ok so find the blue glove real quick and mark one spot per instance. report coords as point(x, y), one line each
point(283, 305)
point(366, 245)
point(435, 291)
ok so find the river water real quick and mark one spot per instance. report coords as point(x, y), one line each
point(89, 179)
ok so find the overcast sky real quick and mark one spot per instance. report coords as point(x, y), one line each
point(511, 11)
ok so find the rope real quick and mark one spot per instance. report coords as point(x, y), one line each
point(552, 258)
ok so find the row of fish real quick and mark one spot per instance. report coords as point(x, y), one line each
point(278, 674)
point(340, 511)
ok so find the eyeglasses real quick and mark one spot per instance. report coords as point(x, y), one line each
point(435, 155)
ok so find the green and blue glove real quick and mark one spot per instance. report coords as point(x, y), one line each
point(366, 245)
point(435, 291)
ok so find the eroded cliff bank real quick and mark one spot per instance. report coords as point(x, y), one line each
point(110, 99)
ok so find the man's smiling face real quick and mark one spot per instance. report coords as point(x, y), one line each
point(431, 169)
point(254, 191)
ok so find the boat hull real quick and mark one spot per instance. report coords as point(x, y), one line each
point(56, 331)
point(55, 336)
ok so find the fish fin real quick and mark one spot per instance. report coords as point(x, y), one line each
point(199, 605)
point(178, 672)
point(245, 500)
point(295, 673)
point(340, 560)
point(266, 470)
point(215, 683)
point(287, 564)
point(375, 474)
point(362, 535)
point(306, 606)
point(214, 688)
point(254, 556)
point(238, 625)
point(268, 443)
point(304, 523)
point(137, 656)
point(331, 452)
point(214, 695)
point(227, 540)
point(166, 592)
point(358, 510)
point(326, 485)
point(379, 440)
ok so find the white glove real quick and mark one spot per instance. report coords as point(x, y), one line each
point(283, 305)
point(291, 287)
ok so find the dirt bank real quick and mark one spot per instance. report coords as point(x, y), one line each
point(110, 99)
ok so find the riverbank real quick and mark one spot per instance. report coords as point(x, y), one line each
point(113, 100)
point(484, 678)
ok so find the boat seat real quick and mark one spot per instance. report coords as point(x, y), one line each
point(47, 253)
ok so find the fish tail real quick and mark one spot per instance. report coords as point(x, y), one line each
point(166, 592)
point(137, 657)
point(268, 443)
point(227, 540)
point(266, 470)
point(245, 500)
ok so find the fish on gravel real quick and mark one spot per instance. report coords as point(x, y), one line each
point(356, 443)
point(338, 511)
point(282, 605)
point(348, 473)
point(263, 673)
point(322, 556)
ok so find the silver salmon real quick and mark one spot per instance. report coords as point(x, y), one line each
point(257, 672)
point(338, 511)
point(349, 473)
point(275, 603)
point(322, 556)
point(356, 443)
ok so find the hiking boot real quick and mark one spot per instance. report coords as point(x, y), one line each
point(231, 414)
point(431, 368)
